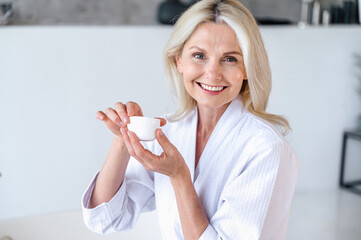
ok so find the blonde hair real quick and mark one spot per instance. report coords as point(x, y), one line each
point(255, 91)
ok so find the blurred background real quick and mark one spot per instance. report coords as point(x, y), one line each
point(138, 12)
point(62, 61)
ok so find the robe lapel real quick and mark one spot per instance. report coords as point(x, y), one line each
point(189, 131)
point(224, 126)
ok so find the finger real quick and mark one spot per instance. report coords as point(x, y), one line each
point(122, 113)
point(127, 141)
point(103, 117)
point(167, 146)
point(113, 115)
point(162, 122)
point(133, 109)
point(141, 153)
point(108, 122)
point(100, 116)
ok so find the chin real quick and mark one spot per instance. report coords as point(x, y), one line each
point(215, 103)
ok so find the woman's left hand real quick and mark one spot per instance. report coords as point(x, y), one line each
point(170, 162)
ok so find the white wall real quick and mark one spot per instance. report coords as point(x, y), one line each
point(54, 79)
point(314, 85)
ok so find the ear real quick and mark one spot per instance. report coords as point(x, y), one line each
point(179, 64)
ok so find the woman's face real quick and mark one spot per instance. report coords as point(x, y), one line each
point(212, 65)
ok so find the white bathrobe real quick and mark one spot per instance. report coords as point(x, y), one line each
point(245, 180)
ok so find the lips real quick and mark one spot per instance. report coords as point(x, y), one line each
point(211, 88)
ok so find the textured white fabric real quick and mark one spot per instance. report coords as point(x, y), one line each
point(245, 180)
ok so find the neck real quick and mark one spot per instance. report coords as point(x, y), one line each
point(208, 119)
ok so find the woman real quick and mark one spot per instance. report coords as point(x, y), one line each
point(220, 169)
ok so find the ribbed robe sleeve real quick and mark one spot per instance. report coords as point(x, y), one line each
point(136, 195)
point(255, 204)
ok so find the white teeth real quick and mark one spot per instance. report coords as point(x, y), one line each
point(212, 89)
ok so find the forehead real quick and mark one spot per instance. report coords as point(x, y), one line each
point(210, 35)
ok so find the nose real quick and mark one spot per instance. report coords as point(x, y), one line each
point(214, 71)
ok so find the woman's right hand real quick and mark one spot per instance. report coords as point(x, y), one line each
point(118, 117)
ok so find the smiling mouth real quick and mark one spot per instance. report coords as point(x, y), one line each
point(211, 88)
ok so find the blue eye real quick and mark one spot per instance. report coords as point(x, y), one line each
point(198, 55)
point(231, 59)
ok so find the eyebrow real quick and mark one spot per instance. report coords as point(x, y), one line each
point(226, 53)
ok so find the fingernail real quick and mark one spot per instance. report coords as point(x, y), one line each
point(101, 117)
point(129, 134)
point(125, 119)
point(121, 124)
point(161, 132)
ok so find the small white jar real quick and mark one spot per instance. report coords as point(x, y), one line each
point(144, 127)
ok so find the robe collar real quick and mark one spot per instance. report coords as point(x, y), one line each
point(224, 126)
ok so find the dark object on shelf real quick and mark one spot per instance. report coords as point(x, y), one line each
point(6, 12)
point(358, 19)
point(6, 7)
point(310, 11)
point(349, 9)
point(170, 10)
point(336, 14)
point(352, 185)
point(273, 21)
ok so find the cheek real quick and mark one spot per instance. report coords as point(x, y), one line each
point(234, 75)
point(240, 75)
point(235, 78)
point(192, 72)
